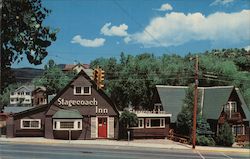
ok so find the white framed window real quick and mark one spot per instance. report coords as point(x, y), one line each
point(158, 107)
point(30, 123)
point(230, 108)
point(155, 122)
point(82, 90)
point(67, 124)
point(238, 129)
point(27, 93)
point(141, 123)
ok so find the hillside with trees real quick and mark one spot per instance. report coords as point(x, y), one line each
point(129, 80)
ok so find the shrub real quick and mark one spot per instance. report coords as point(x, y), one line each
point(225, 136)
point(204, 141)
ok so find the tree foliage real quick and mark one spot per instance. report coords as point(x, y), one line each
point(204, 133)
point(23, 33)
point(184, 121)
point(128, 119)
point(129, 79)
point(225, 136)
point(53, 78)
point(5, 96)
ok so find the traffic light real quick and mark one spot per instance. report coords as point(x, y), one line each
point(95, 74)
point(100, 78)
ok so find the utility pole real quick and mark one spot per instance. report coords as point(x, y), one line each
point(195, 101)
point(1, 5)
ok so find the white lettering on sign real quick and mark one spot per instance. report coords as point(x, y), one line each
point(70, 103)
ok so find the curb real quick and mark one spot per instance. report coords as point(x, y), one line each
point(142, 145)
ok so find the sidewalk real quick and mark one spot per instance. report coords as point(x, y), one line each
point(149, 143)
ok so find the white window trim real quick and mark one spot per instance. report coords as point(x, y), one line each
point(67, 120)
point(82, 90)
point(161, 126)
point(230, 107)
point(39, 123)
point(142, 119)
point(243, 127)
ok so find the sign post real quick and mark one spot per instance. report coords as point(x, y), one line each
point(69, 135)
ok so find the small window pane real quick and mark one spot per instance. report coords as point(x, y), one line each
point(79, 124)
point(34, 124)
point(155, 122)
point(86, 90)
point(26, 124)
point(55, 124)
point(78, 90)
point(67, 125)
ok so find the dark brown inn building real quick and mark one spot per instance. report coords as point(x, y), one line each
point(79, 109)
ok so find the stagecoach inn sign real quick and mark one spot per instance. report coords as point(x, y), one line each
point(70, 103)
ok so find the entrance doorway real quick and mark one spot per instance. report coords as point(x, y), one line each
point(102, 127)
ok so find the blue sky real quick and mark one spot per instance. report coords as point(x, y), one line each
point(90, 29)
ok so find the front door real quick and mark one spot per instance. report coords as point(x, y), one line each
point(102, 127)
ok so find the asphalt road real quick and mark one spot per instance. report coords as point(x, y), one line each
point(27, 151)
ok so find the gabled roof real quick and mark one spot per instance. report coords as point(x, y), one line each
point(15, 109)
point(244, 105)
point(94, 86)
point(29, 88)
point(69, 67)
point(172, 99)
point(212, 100)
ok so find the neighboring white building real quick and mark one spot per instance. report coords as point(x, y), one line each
point(22, 96)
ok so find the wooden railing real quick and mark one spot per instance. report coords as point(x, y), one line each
point(226, 117)
point(234, 117)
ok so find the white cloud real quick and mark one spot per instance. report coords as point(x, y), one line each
point(178, 28)
point(97, 42)
point(221, 2)
point(165, 7)
point(127, 39)
point(247, 48)
point(120, 30)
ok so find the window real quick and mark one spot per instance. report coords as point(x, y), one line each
point(140, 123)
point(67, 124)
point(27, 93)
point(31, 123)
point(78, 90)
point(155, 123)
point(147, 122)
point(27, 100)
point(12, 93)
point(230, 108)
point(86, 90)
point(22, 93)
point(82, 90)
point(78, 124)
point(238, 129)
point(12, 100)
point(158, 107)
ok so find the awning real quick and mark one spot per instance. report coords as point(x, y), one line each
point(67, 114)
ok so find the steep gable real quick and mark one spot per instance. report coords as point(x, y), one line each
point(86, 107)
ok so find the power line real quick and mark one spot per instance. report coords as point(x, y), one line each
point(137, 23)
